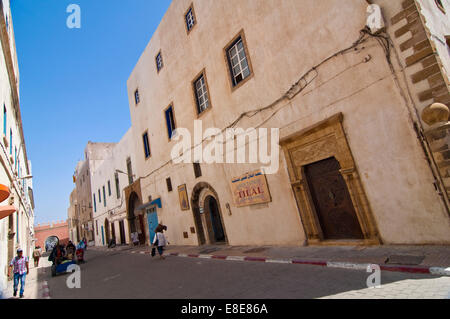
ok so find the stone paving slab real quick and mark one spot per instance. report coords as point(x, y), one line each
point(435, 288)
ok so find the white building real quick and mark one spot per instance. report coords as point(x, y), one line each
point(16, 230)
point(108, 181)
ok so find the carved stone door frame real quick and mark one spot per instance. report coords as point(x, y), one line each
point(324, 140)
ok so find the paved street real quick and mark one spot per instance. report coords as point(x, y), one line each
point(121, 274)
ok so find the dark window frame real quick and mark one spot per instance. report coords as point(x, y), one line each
point(440, 5)
point(194, 17)
point(197, 170)
point(173, 122)
point(130, 171)
point(195, 95)
point(240, 36)
point(158, 67)
point(117, 181)
point(169, 184)
point(137, 97)
point(146, 145)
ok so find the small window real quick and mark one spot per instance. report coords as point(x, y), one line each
point(129, 171)
point(95, 203)
point(109, 188)
point(99, 196)
point(96, 226)
point(104, 196)
point(170, 121)
point(201, 94)
point(440, 6)
point(136, 97)
point(159, 62)
point(190, 19)
point(4, 119)
point(197, 170)
point(169, 184)
point(116, 178)
point(237, 61)
point(146, 145)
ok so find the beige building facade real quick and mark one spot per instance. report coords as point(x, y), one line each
point(108, 181)
point(73, 218)
point(356, 165)
point(17, 206)
point(81, 204)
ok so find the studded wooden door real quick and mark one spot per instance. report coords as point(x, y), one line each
point(334, 207)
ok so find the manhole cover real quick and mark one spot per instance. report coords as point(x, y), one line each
point(255, 250)
point(404, 259)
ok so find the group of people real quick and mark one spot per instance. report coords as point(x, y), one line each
point(68, 252)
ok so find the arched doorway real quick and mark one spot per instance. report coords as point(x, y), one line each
point(207, 215)
point(212, 209)
point(50, 242)
point(136, 220)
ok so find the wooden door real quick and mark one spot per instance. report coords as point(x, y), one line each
point(152, 220)
point(334, 207)
point(122, 232)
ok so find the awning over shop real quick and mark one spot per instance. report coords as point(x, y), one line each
point(156, 202)
point(5, 211)
point(4, 192)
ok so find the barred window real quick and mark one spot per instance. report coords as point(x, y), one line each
point(190, 19)
point(201, 94)
point(159, 62)
point(238, 63)
point(136, 97)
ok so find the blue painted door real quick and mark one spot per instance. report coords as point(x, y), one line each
point(103, 237)
point(152, 220)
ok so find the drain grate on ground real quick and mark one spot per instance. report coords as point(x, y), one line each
point(256, 250)
point(405, 259)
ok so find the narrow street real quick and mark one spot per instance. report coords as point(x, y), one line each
point(122, 274)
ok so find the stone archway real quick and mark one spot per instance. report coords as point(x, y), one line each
point(208, 216)
point(50, 242)
point(136, 222)
point(326, 141)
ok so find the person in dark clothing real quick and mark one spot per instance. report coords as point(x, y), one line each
point(70, 249)
point(57, 254)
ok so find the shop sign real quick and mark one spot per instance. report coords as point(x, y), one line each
point(250, 189)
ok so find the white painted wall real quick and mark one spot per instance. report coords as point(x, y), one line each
point(104, 172)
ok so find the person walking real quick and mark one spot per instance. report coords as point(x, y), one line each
point(36, 256)
point(19, 265)
point(159, 240)
point(85, 243)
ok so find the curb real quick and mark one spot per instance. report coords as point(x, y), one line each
point(342, 265)
point(46, 290)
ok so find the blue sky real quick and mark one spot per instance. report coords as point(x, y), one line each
point(73, 84)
